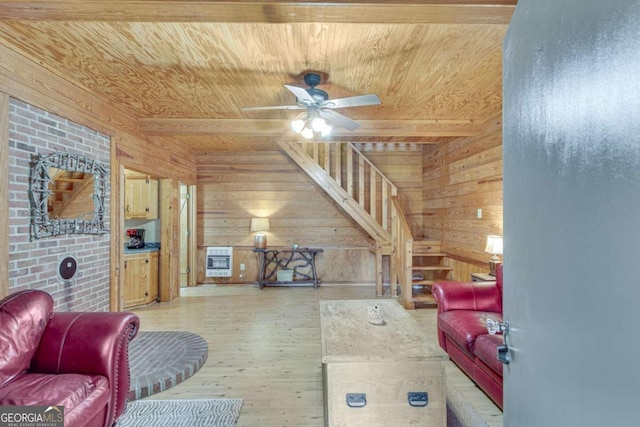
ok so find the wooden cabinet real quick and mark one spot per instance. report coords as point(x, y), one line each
point(140, 278)
point(141, 196)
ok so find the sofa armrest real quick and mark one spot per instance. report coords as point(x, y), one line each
point(90, 343)
point(479, 296)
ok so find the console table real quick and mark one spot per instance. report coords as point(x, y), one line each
point(482, 277)
point(301, 262)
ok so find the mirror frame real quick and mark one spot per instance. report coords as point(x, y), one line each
point(41, 224)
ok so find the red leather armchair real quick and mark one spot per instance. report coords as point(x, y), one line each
point(76, 360)
point(463, 310)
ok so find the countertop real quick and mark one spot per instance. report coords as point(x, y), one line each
point(148, 247)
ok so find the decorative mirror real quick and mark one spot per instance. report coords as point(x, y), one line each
point(67, 194)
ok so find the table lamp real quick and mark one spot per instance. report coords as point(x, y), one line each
point(259, 226)
point(494, 247)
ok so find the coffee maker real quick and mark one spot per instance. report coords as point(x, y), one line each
point(136, 238)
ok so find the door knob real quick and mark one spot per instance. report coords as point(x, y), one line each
point(503, 354)
point(494, 327)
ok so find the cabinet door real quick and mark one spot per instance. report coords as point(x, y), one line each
point(153, 289)
point(152, 199)
point(136, 279)
point(136, 195)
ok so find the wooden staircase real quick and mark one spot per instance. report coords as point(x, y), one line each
point(370, 198)
point(428, 267)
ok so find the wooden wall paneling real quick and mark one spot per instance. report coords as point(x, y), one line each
point(354, 265)
point(334, 265)
point(151, 158)
point(403, 166)
point(4, 193)
point(460, 177)
point(251, 260)
point(31, 83)
point(234, 187)
point(463, 267)
point(241, 255)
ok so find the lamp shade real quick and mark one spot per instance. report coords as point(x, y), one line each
point(494, 245)
point(259, 224)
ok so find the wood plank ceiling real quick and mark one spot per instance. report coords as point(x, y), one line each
point(186, 68)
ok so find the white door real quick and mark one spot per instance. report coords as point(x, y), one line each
point(571, 145)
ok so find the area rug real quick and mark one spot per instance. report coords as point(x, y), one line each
point(182, 413)
point(460, 413)
point(467, 405)
point(160, 360)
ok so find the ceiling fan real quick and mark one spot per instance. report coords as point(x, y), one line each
point(320, 115)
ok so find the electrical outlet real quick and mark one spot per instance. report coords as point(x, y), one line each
point(242, 267)
point(479, 213)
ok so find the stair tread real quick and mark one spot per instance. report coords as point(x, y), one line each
point(432, 268)
point(423, 282)
point(424, 299)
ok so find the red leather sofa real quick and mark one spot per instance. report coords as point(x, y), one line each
point(76, 360)
point(463, 310)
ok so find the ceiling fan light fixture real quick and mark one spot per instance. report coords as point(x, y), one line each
point(297, 125)
point(318, 124)
point(307, 133)
point(320, 110)
point(326, 130)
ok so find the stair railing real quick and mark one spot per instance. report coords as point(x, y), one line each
point(360, 178)
point(401, 254)
point(376, 196)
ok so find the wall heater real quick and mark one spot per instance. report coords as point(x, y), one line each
point(219, 261)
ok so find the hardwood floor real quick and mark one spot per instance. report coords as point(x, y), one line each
point(264, 346)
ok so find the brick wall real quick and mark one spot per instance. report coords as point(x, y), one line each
point(34, 265)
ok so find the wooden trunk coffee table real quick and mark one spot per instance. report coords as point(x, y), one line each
point(379, 375)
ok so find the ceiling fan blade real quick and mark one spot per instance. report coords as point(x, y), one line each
point(301, 94)
point(274, 107)
point(354, 101)
point(338, 119)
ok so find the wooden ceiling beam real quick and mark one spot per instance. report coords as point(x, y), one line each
point(271, 127)
point(284, 11)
